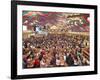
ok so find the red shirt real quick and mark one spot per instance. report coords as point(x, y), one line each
point(36, 62)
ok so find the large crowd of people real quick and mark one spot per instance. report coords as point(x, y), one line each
point(55, 50)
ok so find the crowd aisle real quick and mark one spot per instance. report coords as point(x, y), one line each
point(55, 50)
